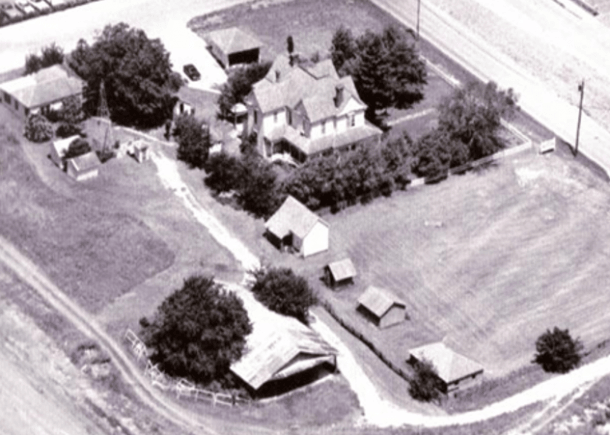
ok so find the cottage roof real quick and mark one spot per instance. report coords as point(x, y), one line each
point(450, 365)
point(85, 162)
point(62, 145)
point(378, 301)
point(292, 217)
point(233, 40)
point(44, 87)
point(342, 269)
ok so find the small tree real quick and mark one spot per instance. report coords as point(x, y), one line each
point(258, 192)
point(284, 292)
point(193, 139)
point(50, 55)
point(38, 128)
point(557, 351)
point(198, 331)
point(32, 63)
point(77, 147)
point(425, 385)
point(224, 173)
point(239, 85)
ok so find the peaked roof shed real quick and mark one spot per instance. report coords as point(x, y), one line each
point(384, 308)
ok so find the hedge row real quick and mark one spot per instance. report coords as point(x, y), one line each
point(4, 21)
point(368, 343)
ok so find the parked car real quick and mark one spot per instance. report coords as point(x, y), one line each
point(25, 7)
point(40, 5)
point(191, 72)
point(8, 9)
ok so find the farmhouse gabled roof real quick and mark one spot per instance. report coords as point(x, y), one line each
point(342, 269)
point(450, 365)
point(292, 217)
point(316, 87)
point(85, 162)
point(378, 301)
point(233, 40)
point(44, 87)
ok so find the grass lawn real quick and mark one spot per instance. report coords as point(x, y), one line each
point(519, 250)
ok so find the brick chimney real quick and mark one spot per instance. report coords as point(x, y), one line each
point(339, 95)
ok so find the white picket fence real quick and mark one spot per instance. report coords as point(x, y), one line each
point(183, 388)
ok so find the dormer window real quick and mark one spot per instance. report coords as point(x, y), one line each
point(323, 127)
point(352, 120)
point(275, 116)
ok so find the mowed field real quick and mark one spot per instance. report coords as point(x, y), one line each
point(486, 261)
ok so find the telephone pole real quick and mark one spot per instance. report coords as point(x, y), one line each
point(418, 11)
point(581, 89)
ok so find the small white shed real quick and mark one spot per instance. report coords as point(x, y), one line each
point(294, 226)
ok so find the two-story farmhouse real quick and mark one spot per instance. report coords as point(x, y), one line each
point(298, 112)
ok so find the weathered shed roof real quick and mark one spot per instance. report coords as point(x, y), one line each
point(275, 343)
point(85, 162)
point(233, 40)
point(44, 87)
point(292, 217)
point(378, 301)
point(343, 269)
point(450, 365)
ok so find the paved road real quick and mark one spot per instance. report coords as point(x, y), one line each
point(158, 18)
point(487, 62)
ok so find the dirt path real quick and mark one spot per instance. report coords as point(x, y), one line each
point(378, 411)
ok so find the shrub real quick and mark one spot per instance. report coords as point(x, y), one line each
point(198, 331)
point(193, 139)
point(66, 130)
point(38, 128)
point(425, 385)
point(78, 147)
point(284, 292)
point(557, 351)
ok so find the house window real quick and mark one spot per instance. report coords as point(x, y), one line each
point(27, 111)
point(181, 108)
point(16, 105)
point(7, 98)
point(352, 120)
point(255, 117)
point(289, 117)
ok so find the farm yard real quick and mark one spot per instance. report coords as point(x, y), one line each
point(486, 261)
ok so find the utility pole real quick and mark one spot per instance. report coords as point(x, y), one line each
point(418, 11)
point(581, 89)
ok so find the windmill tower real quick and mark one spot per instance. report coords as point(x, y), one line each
point(103, 114)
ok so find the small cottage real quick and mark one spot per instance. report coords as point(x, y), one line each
point(454, 370)
point(293, 226)
point(58, 150)
point(382, 307)
point(340, 273)
point(83, 167)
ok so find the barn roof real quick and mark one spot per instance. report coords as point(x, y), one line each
point(274, 343)
point(44, 87)
point(85, 162)
point(234, 40)
point(292, 217)
point(450, 365)
point(378, 301)
point(342, 269)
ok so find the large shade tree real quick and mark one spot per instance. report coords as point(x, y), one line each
point(198, 331)
point(386, 67)
point(557, 351)
point(136, 71)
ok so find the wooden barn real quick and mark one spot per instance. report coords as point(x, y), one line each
point(83, 167)
point(382, 307)
point(58, 149)
point(282, 355)
point(294, 226)
point(454, 370)
point(340, 273)
point(234, 46)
